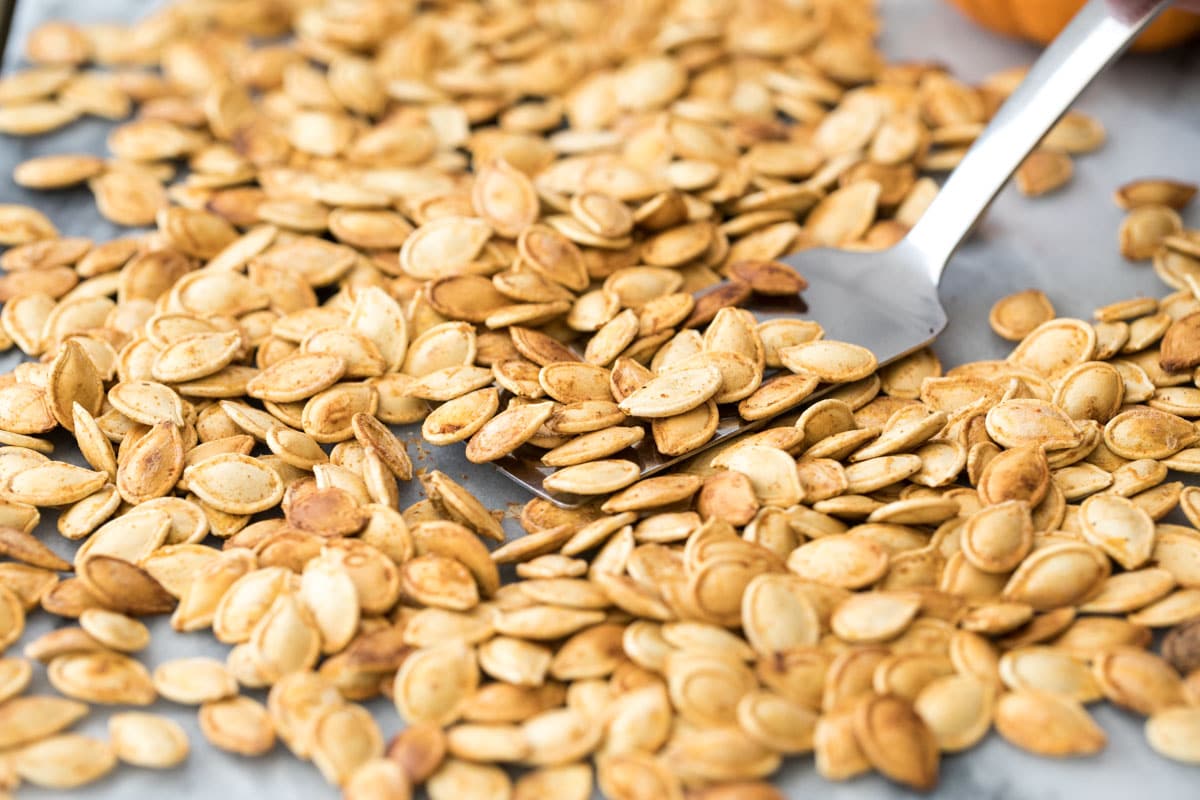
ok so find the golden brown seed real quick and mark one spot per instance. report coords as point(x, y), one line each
point(1172, 733)
point(65, 761)
point(147, 740)
point(238, 725)
point(34, 717)
point(1144, 228)
point(1154, 191)
point(1044, 171)
point(896, 741)
point(1014, 317)
point(1047, 724)
point(102, 677)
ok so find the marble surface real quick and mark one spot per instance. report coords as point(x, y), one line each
point(1064, 244)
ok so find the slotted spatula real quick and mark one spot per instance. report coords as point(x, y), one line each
point(888, 301)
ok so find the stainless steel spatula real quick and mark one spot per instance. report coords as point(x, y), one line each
point(888, 301)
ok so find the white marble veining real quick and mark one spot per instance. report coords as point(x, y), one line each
point(1064, 244)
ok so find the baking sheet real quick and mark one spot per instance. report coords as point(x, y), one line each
point(1064, 244)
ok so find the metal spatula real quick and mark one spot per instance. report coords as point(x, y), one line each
point(888, 301)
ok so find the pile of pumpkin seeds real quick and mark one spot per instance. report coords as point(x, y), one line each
point(491, 220)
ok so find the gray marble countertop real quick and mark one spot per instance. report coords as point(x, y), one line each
point(1064, 244)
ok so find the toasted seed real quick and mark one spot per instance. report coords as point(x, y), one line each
point(65, 761)
point(196, 356)
point(1014, 423)
point(115, 631)
point(15, 675)
point(456, 778)
point(833, 362)
point(327, 416)
point(1018, 474)
point(569, 782)
point(957, 709)
point(1119, 528)
point(1154, 191)
point(849, 562)
point(1047, 724)
point(462, 505)
point(682, 433)
point(1055, 346)
point(1130, 591)
point(147, 402)
point(25, 547)
point(1140, 681)
point(1016, 316)
point(235, 484)
point(286, 638)
point(507, 431)
point(1144, 228)
point(1172, 733)
point(1043, 171)
point(874, 616)
point(53, 484)
point(434, 684)
point(238, 725)
point(57, 171)
point(147, 740)
point(460, 418)
point(102, 677)
point(297, 377)
point(344, 738)
point(1056, 575)
point(997, 538)
point(637, 775)
point(1147, 433)
point(897, 741)
point(193, 681)
point(674, 393)
point(419, 749)
point(1048, 670)
point(439, 581)
point(378, 778)
point(591, 446)
point(152, 466)
point(34, 717)
point(1177, 607)
point(595, 477)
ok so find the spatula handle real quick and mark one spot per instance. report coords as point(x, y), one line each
point(1092, 41)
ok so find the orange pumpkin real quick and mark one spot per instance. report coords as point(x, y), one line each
point(1041, 20)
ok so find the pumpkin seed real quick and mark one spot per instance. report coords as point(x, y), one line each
point(507, 431)
point(896, 741)
point(33, 718)
point(114, 630)
point(65, 761)
point(457, 778)
point(674, 393)
point(194, 681)
point(378, 777)
point(421, 698)
point(1043, 171)
point(1016, 316)
point(102, 677)
point(343, 739)
point(593, 478)
point(235, 484)
point(1172, 733)
point(1047, 724)
point(238, 725)
point(147, 740)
